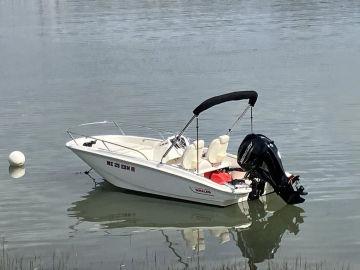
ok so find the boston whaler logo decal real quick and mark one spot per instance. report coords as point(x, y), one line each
point(120, 166)
point(201, 190)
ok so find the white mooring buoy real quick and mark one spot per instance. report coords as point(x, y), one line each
point(16, 159)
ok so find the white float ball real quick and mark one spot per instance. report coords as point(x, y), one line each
point(16, 158)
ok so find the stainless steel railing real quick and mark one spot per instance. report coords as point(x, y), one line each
point(71, 134)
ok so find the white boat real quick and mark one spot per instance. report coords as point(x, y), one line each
point(185, 169)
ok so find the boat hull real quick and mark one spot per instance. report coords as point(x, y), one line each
point(158, 179)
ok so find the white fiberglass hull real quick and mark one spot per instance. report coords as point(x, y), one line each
point(160, 179)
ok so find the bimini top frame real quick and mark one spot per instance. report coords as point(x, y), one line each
point(207, 104)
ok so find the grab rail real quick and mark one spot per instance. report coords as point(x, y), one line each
point(116, 124)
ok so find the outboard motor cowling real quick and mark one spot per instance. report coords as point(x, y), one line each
point(260, 158)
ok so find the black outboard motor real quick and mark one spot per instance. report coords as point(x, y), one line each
point(260, 158)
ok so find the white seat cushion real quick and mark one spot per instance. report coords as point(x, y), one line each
point(199, 143)
point(217, 149)
point(190, 158)
point(224, 139)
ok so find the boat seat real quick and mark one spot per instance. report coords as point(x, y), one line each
point(190, 158)
point(217, 150)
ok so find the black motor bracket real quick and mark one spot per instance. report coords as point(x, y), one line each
point(260, 158)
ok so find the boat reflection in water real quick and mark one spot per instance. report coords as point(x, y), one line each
point(256, 227)
point(268, 224)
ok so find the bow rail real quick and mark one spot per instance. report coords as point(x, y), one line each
point(119, 127)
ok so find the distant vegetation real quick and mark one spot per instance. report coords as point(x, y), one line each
point(296, 264)
point(66, 262)
point(62, 263)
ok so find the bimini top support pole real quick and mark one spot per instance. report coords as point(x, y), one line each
point(197, 144)
point(251, 120)
point(237, 120)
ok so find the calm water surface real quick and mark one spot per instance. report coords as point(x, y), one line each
point(151, 62)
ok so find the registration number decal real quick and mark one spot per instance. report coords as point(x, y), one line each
point(120, 166)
